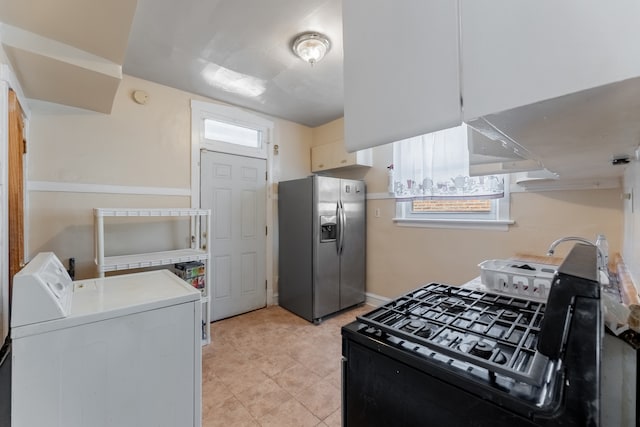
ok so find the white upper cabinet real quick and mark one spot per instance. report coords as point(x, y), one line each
point(408, 64)
point(515, 53)
point(401, 69)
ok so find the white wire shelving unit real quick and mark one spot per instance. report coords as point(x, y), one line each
point(200, 224)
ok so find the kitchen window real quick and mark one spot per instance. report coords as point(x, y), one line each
point(430, 180)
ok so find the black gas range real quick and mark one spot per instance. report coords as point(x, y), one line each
point(442, 355)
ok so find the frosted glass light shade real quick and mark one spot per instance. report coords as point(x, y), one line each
point(311, 47)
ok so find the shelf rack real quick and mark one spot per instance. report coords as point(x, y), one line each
point(200, 224)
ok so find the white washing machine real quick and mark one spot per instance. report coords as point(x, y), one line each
point(117, 351)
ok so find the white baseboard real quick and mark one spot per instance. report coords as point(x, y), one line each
point(370, 299)
point(376, 300)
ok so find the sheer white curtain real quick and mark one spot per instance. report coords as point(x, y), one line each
point(437, 165)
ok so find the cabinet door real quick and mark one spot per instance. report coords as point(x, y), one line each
point(401, 74)
point(341, 157)
point(516, 53)
point(321, 158)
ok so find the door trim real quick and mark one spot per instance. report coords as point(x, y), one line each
point(4, 213)
point(8, 81)
point(198, 112)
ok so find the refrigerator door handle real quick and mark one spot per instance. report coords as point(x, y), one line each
point(338, 227)
point(343, 224)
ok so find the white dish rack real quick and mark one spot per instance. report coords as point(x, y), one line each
point(518, 278)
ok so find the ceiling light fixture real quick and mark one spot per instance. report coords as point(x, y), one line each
point(311, 47)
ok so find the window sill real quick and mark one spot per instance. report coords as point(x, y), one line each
point(476, 224)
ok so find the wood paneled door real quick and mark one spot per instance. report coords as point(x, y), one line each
point(17, 149)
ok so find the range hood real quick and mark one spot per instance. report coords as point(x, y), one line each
point(492, 152)
point(574, 137)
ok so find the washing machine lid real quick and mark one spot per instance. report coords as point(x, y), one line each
point(130, 293)
point(100, 299)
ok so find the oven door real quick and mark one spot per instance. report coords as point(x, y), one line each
point(381, 389)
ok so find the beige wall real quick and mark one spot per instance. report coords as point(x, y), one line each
point(402, 258)
point(293, 159)
point(137, 145)
point(63, 223)
point(328, 133)
point(149, 146)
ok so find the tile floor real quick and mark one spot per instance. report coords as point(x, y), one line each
point(272, 368)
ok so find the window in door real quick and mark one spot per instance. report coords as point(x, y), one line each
point(227, 129)
point(216, 130)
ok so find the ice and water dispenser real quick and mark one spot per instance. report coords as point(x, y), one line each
point(328, 228)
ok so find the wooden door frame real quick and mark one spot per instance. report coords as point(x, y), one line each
point(16, 187)
point(8, 81)
point(4, 213)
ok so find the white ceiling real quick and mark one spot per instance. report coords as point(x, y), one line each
point(74, 52)
point(239, 51)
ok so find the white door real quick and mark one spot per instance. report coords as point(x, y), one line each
point(234, 188)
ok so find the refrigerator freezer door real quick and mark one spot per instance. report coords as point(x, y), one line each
point(326, 290)
point(352, 260)
point(296, 224)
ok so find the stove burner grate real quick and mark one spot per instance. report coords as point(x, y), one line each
point(495, 332)
point(484, 350)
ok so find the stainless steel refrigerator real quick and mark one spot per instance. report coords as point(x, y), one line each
point(321, 245)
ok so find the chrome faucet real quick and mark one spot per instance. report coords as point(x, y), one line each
point(601, 257)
